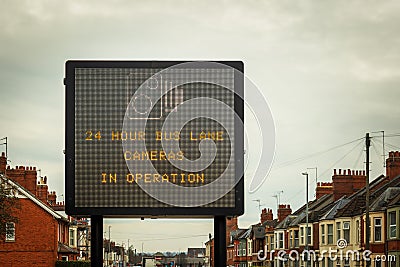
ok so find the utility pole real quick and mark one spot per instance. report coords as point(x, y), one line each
point(367, 222)
point(383, 149)
point(109, 243)
point(307, 232)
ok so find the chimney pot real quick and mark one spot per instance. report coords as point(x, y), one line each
point(340, 171)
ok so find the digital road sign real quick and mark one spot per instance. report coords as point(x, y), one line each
point(154, 138)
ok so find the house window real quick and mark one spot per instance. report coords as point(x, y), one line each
point(322, 234)
point(296, 238)
point(377, 229)
point(358, 231)
point(10, 232)
point(322, 262)
point(346, 262)
point(392, 224)
point(378, 263)
point(330, 261)
point(346, 231)
point(272, 242)
point(266, 243)
point(281, 240)
point(309, 236)
point(291, 239)
point(71, 238)
point(301, 235)
point(338, 231)
point(330, 235)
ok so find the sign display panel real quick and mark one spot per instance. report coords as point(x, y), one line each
point(154, 138)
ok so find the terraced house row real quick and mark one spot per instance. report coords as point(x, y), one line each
point(336, 233)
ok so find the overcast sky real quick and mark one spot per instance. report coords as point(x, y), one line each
point(330, 71)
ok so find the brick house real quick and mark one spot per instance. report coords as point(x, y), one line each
point(41, 235)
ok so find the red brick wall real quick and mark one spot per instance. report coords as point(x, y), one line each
point(35, 238)
point(24, 176)
point(3, 163)
point(393, 245)
point(315, 229)
point(283, 211)
point(393, 164)
point(346, 183)
point(266, 215)
point(323, 188)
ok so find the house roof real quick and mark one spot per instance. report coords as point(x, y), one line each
point(237, 233)
point(382, 201)
point(246, 234)
point(62, 248)
point(22, 191)
point(272, 223)
point(394, 202)
point(316, 208)
point(286, 222)
point(338, 204)
point(356, 205)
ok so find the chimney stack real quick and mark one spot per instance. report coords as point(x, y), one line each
point(347, 183)
point(266, 215)
point(3, 163)
point(283, 211)
point(323, 188)
point(392, 165)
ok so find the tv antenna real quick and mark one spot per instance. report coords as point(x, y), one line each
point(278, 198)
point(259, 204)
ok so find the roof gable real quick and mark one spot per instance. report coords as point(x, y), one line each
point(22, 191)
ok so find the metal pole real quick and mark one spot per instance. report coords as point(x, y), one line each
point(96, 247)
point(220, 241)
point(306, 247)
point(367, 222)
point(109, 244)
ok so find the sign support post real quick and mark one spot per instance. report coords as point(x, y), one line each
point(96, 241)
point(220, 241)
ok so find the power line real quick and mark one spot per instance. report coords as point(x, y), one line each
point(336, 162)
point(170, 238)
point(387, 144)
point(290, 162)
point(339, 160)
point(358, 158)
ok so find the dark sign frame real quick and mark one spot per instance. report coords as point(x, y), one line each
point(180, 212)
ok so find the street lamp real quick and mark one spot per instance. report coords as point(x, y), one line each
point(308, 254)
point(109, 245)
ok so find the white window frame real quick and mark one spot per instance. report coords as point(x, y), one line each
point(302, 242)
point(10, 232)
point(323, 234)
point(309, 235)
point(296, 244)
point(281, 242)
point(338, 230)
point(346, 229)
point(392, 226)
point(376, 227)
point(329, 235)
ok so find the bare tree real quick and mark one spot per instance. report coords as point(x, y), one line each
point(8, 204)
